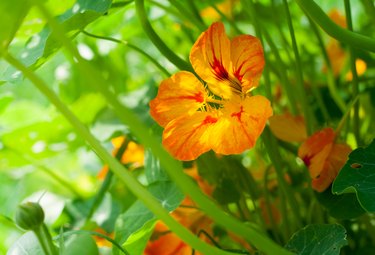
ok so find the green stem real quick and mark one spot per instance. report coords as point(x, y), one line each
point(274, 154)
point(156, 63)
point(368, 6)
point(355, 83)
point(354, 39)
point(157, 41)
point(330, 76)
point(184, 12)
point(45, 240)
point(134, 186)
point(106, 183)
point(173, 167)
point(74, 232)
point(298, 65)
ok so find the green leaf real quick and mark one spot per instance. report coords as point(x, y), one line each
point(27, 244)
point(137, 242)
point(138, 214)
point(153, 171)
point(318, 239)
point(40, 46)
point(345, 206)
point(5, 100)
point(82, 244)
point(358, 176)
point(11, 16)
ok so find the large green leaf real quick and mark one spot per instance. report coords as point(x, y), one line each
point(322, 239)
point(345, 206)
point(27, 244)
point(11, 16)
point(358, 176)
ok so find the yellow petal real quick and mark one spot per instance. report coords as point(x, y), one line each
point(178, 95)
point(188, 136)
point(247, 61)
point(240, 125)
point(288, 128)
point(360, 67)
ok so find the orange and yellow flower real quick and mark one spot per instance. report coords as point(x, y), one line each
point(215, 110)
point(324, 157)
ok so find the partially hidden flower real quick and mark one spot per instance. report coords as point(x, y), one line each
point(288, 128)
point(225, 7)
point(337, 56)
point(324, 157)
point(133, 155)
point(215, 111)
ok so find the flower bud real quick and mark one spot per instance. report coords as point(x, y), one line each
point(29, 216)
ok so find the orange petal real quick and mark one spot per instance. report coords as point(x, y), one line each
point(316, 143)
point(337, 17)
point(360, 67)
point(240, 125)
point(133, 154)
point(337, 57)
point(335, 161)
point(180, 94)
point(210, 57)
point(247, 61)
point(168, 244)
point(187, 137)
point(288, 128)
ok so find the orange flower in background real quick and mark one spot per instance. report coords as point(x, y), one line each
point(133, 155)
point(288, 128)
point(216, 111)
point(323, 157)
point(225, 7)
point(338, 57)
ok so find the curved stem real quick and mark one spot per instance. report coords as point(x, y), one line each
point(45, 240)
point(173, 167)
point(134, 186)
point(353, 68)
point(156, 40)
point(156, 63)
point(343, 35)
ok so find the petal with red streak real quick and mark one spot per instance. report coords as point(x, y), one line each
point(178, 95)
point(210, 57)
point(247, 61)
point(188, 136)
point(241, 124)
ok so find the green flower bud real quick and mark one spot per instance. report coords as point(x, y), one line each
point(29, 216)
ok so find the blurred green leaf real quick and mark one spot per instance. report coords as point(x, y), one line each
point(11, 16)
point(5, 100)
point(358, 176)
point(82, 244)
point(226, 192)
point(27, 244)
point(318, 239)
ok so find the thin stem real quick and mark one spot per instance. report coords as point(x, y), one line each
point(134, 186)
point(157, 41)
point(355, 83)
point(183, 11)
point(156, 63)
point(354, 39)
point(330, 76)
point(298, 65)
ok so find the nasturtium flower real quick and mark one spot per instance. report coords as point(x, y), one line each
point(216, 109)
point(288, 128)
point(133, 155)
point(324, 157)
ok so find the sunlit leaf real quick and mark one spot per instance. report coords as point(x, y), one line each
point(358, 176)
point(27, 244)
point(138, 214)
point(154, 172)
point(82, 244)
point(137, 242)
point(11, 17)
point(318, 239)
